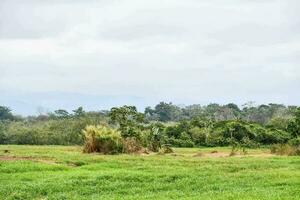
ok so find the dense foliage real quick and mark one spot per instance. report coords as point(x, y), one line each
point(164, 125)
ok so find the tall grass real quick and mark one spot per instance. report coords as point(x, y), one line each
point(285, 149)
point(102, 139)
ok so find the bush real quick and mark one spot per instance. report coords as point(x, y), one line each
point(3, 127)
point(216, 138)
point(155, 139)
point(23, 133)
point(279, 123)
point(199, 135)
point(238, 130)
point(166, 148)
point(102, 139)
point(181, 142)
point(242, 145)
point(274, 136)
point(294, 141)
point(46, 132)
point(131, 145)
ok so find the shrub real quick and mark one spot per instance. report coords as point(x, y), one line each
point(238, 130)
point(247, 143)
point(242, 145)
point(183, 141)
point(131, 145)
point(166, 148)
point(3, 127)
point(23, 133)
point(199, 135)
point(295, 141)
point(294, 125)
point(155, 140)
point(216, 138)
point(273, 136)
point(279, 123)
point(102, 139)
point(172, 131)
point(46, 132)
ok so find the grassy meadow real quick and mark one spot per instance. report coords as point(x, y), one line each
point(58, 172)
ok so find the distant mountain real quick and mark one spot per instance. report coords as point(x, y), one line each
point(34, 103)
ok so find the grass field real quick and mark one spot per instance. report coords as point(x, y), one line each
point(56, 172)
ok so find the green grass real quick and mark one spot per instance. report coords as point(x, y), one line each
point(56, 172)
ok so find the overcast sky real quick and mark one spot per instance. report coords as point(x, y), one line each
point(185, 51)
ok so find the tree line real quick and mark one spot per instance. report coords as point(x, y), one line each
point(165, 124)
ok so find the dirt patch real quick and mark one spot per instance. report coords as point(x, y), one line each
point(216, 155)
point(224, 154)
point(262, 155)
point(211, 155)
point(198, 154)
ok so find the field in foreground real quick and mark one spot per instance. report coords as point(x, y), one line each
point(56, 172)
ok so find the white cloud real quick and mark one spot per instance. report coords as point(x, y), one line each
point(193, 51)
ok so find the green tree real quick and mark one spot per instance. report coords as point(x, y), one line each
point(3, 128)
point(167, 112)
point(294, 126)
point(128, 120)
point(61, 113)
point(79, 112)
point(235, 110)
point(5, 113)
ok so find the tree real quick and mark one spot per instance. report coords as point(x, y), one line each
point(149, 111)
point(5, 113)
point(294, 126)
point(280, 123)
point(128, 120)
point(193, 111)
point(167, 111)
point(235, 110)
point(61, 113)
point(79, 112)
point(150, 114)
point(212, 110)
point(3, 128)
point(237, 131)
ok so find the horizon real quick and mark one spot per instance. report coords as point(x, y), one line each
point(52, 101)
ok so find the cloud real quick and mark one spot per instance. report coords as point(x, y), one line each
point(184, 51)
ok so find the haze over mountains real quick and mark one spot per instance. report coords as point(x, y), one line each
point(42, 102)
point(36, 103)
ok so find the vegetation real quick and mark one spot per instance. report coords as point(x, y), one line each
point(165, 125)
point(286, 149)
point(224, 163)
point(102, 139)
point(57, 172)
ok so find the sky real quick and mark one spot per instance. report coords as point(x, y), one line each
point(102, 53)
